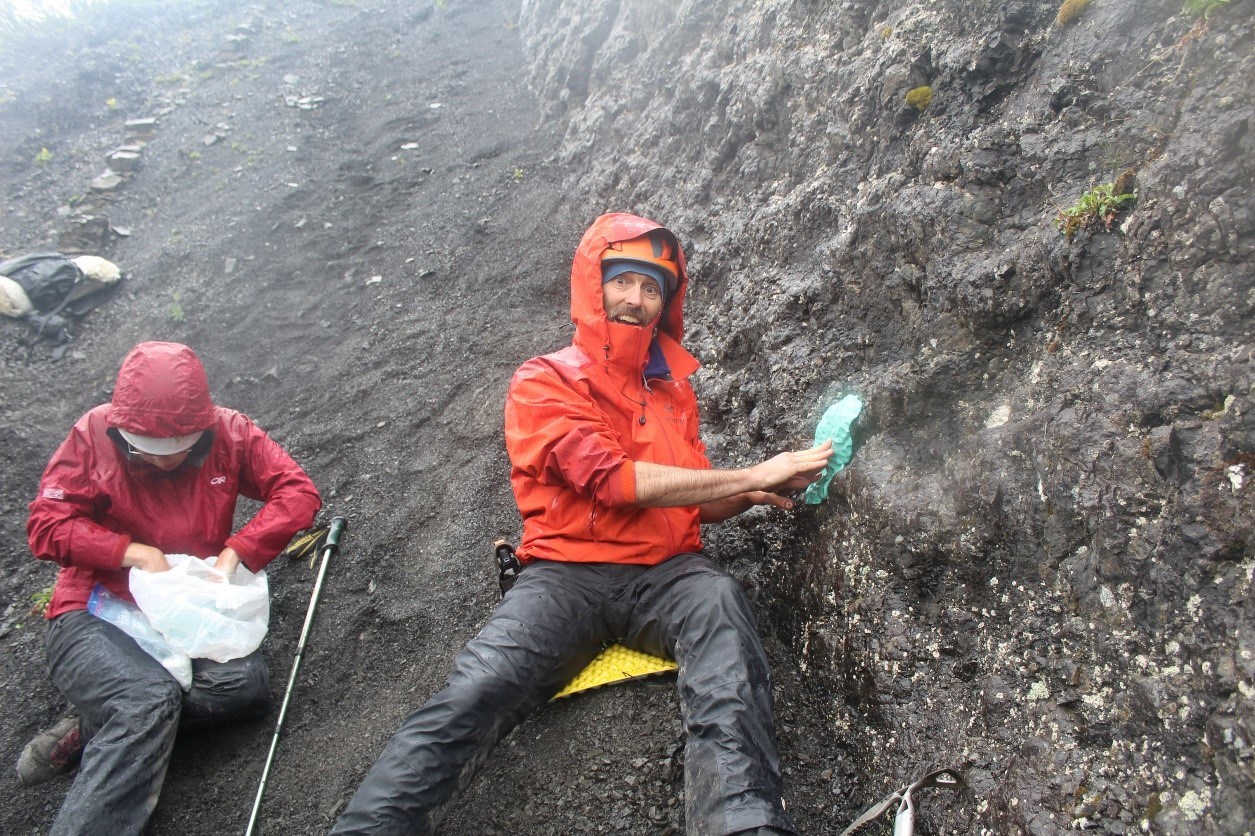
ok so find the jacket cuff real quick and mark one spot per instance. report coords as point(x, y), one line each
point(119, 552)
point(625, 481)
point(251, 563)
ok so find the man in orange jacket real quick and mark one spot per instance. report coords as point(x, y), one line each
point(613, 483)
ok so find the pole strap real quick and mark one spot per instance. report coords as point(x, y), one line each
point(904, 821)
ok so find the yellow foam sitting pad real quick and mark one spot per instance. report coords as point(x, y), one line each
point(616, 664)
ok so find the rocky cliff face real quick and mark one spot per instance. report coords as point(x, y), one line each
point(1039, 564)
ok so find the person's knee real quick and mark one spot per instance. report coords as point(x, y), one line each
point(253, 688)
point(148, 703)
point(235, 690)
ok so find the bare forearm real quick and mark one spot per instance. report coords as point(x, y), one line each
point(664, 486)
point(719, 510)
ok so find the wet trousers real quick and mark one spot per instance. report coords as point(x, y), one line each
point(548, 627)
point(130, 709)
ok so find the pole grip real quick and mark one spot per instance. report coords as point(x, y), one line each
point(338, 524)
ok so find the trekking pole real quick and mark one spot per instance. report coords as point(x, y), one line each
point(329, 548)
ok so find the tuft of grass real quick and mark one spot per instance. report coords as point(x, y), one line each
point(1203, 8)
point(175, 311)
point(40, 600)
point(43, 157)
point(518, 174)
point(1070, 11)
point(920, 97)
point(1099, 205)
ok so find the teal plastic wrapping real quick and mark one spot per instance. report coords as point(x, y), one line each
point(834, 426)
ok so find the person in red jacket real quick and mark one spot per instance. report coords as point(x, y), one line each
point(613, 483)
point(157, 471)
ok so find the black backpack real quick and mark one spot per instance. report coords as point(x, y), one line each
point(47, 278)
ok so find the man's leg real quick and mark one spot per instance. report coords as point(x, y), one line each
point(129, 708)
point(692, 610)
point(544, 632)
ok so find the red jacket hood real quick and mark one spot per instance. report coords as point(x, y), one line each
point(614, 343)
point(162, 391)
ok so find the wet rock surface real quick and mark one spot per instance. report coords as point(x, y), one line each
point(1038, 565)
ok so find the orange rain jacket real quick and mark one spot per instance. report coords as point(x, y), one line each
point(95, 498)
point(578, 420)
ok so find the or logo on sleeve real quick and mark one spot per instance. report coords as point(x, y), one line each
point(54, 493)
point(218, 480)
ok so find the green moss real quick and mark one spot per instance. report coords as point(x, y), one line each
point(920, 97)
point(1202, 8)
point(1070, 11)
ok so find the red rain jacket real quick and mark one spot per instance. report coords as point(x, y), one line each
point(578, 420)
point(95, 499)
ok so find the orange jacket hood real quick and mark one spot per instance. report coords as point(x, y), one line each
point(615, 344)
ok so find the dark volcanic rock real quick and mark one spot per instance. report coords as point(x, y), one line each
point(1039, 564)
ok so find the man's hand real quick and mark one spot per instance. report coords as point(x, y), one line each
point(793, 471)
point(723, 509)
point(148, 558)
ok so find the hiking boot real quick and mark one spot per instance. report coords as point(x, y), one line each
point(52, 752)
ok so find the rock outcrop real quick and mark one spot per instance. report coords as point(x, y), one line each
point(1039, 565)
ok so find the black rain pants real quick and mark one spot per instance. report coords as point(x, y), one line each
point(548, 627)
point(130, 709)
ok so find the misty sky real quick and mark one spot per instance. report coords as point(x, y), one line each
point(38, 8)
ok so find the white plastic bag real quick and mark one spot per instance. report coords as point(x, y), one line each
point(203, 612)
point(127, 617)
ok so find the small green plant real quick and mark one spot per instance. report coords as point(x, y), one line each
point(1070, 11)
point(193, 156)
point(1202, 8)
point(40, 601)
point(176, 310)
point(43, 157)
point(885, 31)
point(1098, 205)
point(920, 97)
point(112, 102)
point(290, 36)
point(518, 174)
